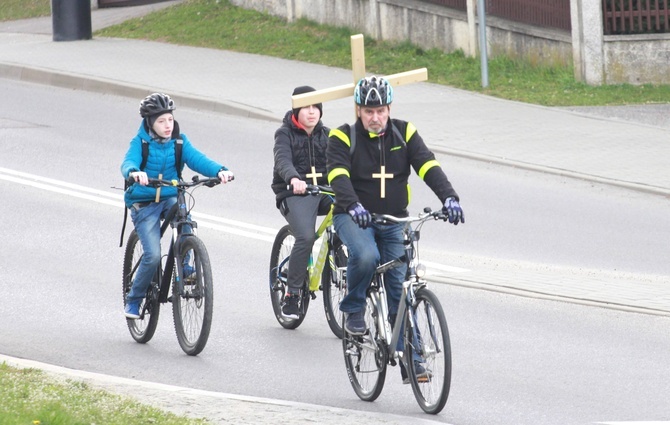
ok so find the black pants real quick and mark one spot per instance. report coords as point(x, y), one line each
point(300, 212)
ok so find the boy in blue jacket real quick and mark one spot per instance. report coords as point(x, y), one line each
point(161, 132)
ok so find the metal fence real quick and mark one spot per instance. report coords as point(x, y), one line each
point(636, 16)
point(541, 13)
point(124, 3)
point(454, 4)
point(619, 16)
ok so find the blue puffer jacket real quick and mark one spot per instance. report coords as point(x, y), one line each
point(161, 160)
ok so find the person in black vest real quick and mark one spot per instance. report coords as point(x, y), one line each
point(369, 164)
point(300, 159)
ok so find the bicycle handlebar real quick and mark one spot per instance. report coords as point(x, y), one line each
point(426, 215)
point(311, 189)
point(196, 181)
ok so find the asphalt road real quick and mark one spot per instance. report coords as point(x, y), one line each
point(516, 360)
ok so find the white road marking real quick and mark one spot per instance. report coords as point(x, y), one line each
point(437, 266)
point(636, 423)
point(204, 220)
point(234, 227)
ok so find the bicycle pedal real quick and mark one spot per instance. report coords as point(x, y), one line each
point(423, 379)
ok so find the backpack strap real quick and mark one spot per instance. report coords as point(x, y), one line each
point(178, 147)
point(396, 131)
point(145, 154)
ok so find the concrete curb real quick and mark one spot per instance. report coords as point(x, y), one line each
point(97, 85)
point(555, 171)
point(222, 407)
point(537, 294)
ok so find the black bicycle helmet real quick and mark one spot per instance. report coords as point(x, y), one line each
point(373, 91)
point(156, 104)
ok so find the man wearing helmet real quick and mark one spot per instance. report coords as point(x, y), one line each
point(160, 132)
point(368, 169)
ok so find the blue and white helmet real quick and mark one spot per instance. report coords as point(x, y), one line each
point(373, 91)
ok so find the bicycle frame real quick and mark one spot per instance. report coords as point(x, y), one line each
point(176, 218)
point(419, 328)
point(191, 296)
point(317, 268)
point(325, 272)
point(409, 286)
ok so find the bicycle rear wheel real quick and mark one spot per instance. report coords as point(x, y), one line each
point(334, 285)
point(430, 342)
point(365, 358)
point(142, 329)
point(193, 297)
point(281, 250)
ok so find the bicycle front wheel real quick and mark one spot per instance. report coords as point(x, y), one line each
point(192, 298)
point(430, 350)
point(334, 285)
point(142, 329)
point(365, 358)
point(281, 250)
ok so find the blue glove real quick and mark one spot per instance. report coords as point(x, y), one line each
point(453, 211)
point(360, 215)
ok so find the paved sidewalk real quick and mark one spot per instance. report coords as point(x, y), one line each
point(622, 146)
point(218, 408)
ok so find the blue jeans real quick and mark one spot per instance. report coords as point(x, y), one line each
point(147, 221)
point(367, 249)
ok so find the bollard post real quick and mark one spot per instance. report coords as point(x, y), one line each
point(71, 20)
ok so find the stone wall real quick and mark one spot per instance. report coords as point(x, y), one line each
point(596, 59)
point(637, 59)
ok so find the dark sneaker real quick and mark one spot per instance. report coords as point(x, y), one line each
point(132, 310)
point(422, 374)
point(290, 307)
point(355, 323)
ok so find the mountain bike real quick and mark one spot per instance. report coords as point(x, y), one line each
point(185, 270)
point(329, 278)
point(420, 320)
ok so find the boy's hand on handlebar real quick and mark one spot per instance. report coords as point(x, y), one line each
point(453, 211)
point(139, 177)
point(360, 215)
point(226, 176)
point(299, 186)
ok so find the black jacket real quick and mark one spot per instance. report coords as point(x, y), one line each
point(295, 152)
point(350, 173)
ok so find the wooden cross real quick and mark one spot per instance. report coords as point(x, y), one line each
point(340, 92)
point(358, 69)
point(382, 176)
point(314, 175)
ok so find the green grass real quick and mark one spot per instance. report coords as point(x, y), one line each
point(218, 24)
point(30, 397)
point(20, 9)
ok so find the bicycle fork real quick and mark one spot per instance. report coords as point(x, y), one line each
point(175, 263)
